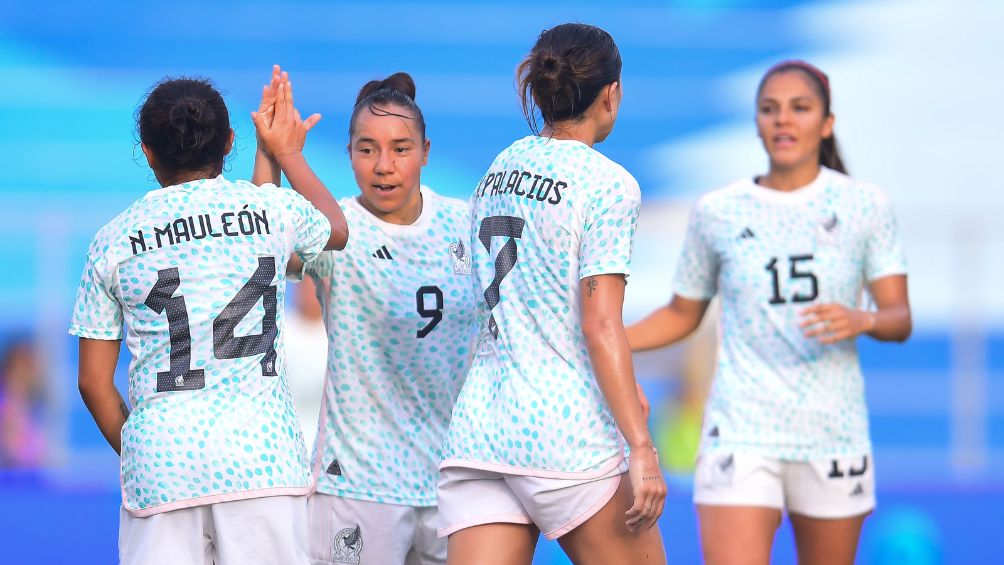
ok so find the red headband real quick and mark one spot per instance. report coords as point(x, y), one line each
point(802, 65)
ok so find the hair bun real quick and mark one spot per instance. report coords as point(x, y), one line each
point(398, 82)
point(194, 120)
point(550, 71)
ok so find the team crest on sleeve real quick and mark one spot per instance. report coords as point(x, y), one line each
point(460, 258)
point(348, 545)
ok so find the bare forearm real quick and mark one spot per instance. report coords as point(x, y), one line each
point(304, 181)
point(266, 169)
point(892, 323)
point(666, 325)
point(611, 358)
point(108, 409)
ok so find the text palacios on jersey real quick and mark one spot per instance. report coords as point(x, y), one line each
point(201, 226)
point(522, 183)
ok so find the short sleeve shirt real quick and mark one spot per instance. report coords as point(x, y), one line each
point(193, 276)
point(547, 214)
point(398, 305)
point(769, 255)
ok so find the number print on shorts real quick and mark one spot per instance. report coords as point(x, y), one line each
point(435, 313)
point(180, 376)
point(501, 226)
point(794, 274)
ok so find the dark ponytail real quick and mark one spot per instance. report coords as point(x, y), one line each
point(398, 89)
point(829, 151)
point(565, 72)
point(186, 125)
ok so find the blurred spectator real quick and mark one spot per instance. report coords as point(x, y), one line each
point(306, 356)
point(22, 406)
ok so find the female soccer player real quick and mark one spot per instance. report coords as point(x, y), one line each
point(398, 305)
point(538, 435)
point(789, 252)
point(213, 462)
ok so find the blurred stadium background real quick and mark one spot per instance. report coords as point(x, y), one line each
point(916, 86)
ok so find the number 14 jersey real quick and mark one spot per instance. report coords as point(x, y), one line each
point(194, 276)
point(769, 255)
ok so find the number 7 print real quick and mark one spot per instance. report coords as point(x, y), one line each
point(500, 226)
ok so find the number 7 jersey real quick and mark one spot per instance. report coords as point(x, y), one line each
point(193, 276)
point(547, 214)
point(769, 255)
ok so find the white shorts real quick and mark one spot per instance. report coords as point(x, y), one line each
point(472, 497)
point(828, 488)
point(345, 530)
point(267, 531)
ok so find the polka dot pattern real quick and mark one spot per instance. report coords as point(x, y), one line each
point(391, 380)
point(239, 432)
point(769, 255)
point(531, 400)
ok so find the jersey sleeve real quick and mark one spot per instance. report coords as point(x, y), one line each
point(311, 229)
point(322, 266)
point(697, 270)
point(608, 233)
point(883, 250)
point(97, 314)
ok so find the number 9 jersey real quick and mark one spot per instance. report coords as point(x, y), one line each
point(398, 307)
point(194, 276)
point(769, 255)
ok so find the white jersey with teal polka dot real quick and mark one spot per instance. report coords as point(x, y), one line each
point(769, 255)
point(547, 214)
point(193, 276)
point(399, 309)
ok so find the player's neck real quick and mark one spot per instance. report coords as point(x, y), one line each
point(403, 216)
point(582, 131)
point(180, 177)
point(786, 179)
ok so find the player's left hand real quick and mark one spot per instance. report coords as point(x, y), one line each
point(266, 108)
point(830, 323)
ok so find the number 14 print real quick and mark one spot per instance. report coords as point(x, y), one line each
point(226, 345)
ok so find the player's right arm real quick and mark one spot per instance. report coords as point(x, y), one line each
point(284, 139)
point(667, 324)
point(695, 282)
point(96, 381)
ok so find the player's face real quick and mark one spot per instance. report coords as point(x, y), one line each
point(790, 120)
point(388, 154)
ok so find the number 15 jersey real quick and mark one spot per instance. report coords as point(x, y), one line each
point(548, 214)
point(769, 255)
point(194, 275)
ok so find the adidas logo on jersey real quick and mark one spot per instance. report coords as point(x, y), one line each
point(383, 253)
point(859, 490)
point(746, 234)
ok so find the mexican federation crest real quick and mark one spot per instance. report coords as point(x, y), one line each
point(348, 545)
point(460, 258)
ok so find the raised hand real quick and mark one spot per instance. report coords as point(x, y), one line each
point(266, 108)
point(649, 490)
point(287, 132)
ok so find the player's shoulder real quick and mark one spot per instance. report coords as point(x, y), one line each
point(446, 204)
point(853, 190)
